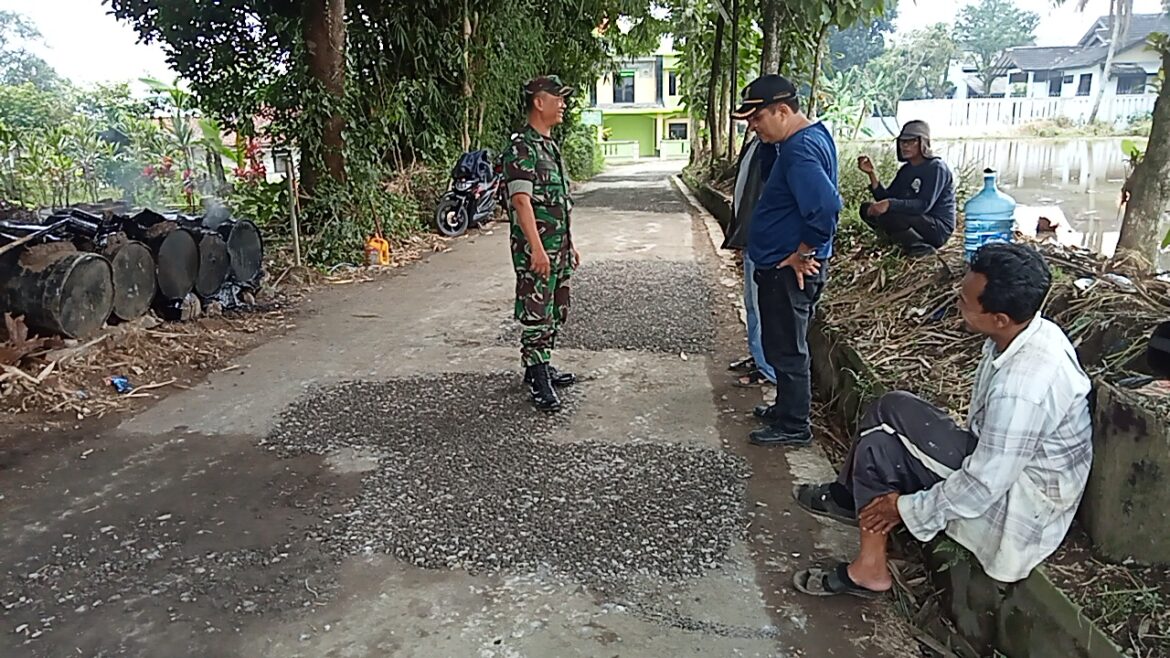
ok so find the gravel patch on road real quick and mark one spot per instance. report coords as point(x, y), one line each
point(234, 552)
point(637, 193)
point(466, 480)
point(650, 306)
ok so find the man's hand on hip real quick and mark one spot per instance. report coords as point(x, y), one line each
point(801, 264)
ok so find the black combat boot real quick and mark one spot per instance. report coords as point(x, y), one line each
point(541, 387)
point(559, 379)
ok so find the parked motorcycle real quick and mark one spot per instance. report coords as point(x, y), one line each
point(476, 183)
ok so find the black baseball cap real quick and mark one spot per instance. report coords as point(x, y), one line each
point(547, 83)
point(762, 92)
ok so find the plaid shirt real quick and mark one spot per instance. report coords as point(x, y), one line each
point(1014, 497)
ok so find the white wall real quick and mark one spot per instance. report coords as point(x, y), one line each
point(645, 84)
point(982, 117)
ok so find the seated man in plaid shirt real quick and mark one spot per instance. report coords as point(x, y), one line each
point(1007, 486)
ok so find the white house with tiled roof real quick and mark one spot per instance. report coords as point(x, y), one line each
point(1047, 83)
point(1078, 71)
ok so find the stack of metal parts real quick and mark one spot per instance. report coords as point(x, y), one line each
point(70, 272)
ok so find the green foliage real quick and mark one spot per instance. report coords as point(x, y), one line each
point(850, 97)
point(856, 46)
point(797, 28)
point(950, 553)
point(852, 183)
point(1140, 125)
point(18, 66)
point(1132, 151)
point(264, 203)
point(1067, 127)
point(984, 30)
point(423, 81)
point(28, 107)
point(73, 145)
point(582, 152)
point(916, 67)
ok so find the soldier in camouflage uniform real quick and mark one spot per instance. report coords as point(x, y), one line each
point(542, 245)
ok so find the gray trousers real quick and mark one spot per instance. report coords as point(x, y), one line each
point(898, 437)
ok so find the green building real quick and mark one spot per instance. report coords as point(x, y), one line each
point(641, 110)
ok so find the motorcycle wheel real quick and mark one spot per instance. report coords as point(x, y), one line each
point(451, 216)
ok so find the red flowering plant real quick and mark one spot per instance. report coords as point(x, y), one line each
point(252, 168)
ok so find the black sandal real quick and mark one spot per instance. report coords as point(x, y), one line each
point(754, 378)
point(816, 499)
point(743, 365)
point(831, 582)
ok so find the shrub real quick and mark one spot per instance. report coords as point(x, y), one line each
point(582, 152)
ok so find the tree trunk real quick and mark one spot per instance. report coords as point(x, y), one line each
point(1149, 185)
point(1119, 20)
point(822, 41)
point(714, 99)
point(987, 75)
point(860, 119)
point(697, 142)
point(770, 24)
point(479, 121)
point(725, 123)
point(467, 90)
point(733, 73)
point(324, 34)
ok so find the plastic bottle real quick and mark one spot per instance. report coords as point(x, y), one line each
point(989, 216)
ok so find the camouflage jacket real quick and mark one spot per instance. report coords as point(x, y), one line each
point(533, 165)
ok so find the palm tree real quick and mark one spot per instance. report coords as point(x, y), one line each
point(1120, 12)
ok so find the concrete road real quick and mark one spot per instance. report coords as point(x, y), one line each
point(227, 520)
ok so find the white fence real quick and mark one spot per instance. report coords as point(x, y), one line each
point(981, 117)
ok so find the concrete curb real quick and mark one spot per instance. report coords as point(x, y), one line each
point(1029, 619)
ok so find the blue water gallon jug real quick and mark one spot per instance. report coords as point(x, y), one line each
point(988, 216)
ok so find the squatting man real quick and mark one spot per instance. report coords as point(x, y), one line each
point(917, 210)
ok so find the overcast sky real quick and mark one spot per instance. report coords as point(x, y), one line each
point(1057, 26)
point(87, 45)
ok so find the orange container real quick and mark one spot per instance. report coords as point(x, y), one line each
point(377, 251)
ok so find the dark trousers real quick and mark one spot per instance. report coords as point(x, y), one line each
point(893, 226)
point(904, 444)
point(785, 313)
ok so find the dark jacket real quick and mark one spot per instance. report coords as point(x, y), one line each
point(754, 167)
point(927, 189)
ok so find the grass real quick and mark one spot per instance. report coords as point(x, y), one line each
point(1138, 126)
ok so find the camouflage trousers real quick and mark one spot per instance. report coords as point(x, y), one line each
point(542, 306)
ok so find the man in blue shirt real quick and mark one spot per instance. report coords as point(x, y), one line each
point(790, 242)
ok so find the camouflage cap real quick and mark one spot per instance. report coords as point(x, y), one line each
point(547, 83)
